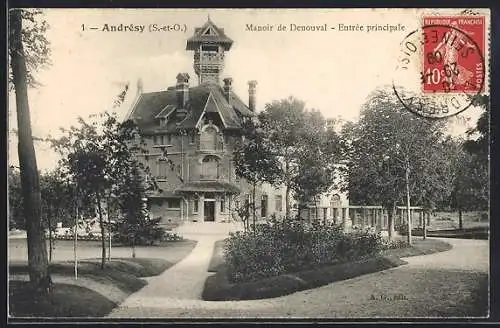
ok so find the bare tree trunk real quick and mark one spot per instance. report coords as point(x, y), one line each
point(49, 222)
point(424, 226)
point(253, 204)
point(460, 220)
point(316, 209)
point(133, 247)
point(408, 213)
point(391, 213)
point(37, 248)
point(287, 202)
point(103, 236)
point(287, 192)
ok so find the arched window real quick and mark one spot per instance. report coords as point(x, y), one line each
point(164, 168)
point(210, 168)
point(208, 138)
point(334, 205)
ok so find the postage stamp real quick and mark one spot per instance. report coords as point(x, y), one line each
point(453, 48)
point(442, 65)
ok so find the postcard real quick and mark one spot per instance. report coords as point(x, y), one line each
point(249, 163)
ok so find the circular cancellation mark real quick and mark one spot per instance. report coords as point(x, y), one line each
point(440, 70)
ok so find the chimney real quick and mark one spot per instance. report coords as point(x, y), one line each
point(228, 88)
point(182, 89)
point(140, 86)
point(251, 94)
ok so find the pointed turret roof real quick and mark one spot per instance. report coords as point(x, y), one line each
point(208, 33)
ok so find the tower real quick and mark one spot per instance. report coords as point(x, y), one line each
point(209, 44)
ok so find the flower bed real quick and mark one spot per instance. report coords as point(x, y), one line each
point(277, 248)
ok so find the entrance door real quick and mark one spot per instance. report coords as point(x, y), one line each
point(209, 211)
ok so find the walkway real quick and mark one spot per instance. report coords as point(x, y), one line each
point(428, 286)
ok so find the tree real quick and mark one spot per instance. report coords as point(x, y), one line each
point(23, 64)
point(299, 141)
point(479, 136)
point(470, 181)
point(254, 162)
point(98, 156)
point(57, 202)
point(317, 164)
point(16, 216)
point(135, 227)
point(435, 176)
point(387, 149)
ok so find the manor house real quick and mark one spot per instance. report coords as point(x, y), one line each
point(199, 124)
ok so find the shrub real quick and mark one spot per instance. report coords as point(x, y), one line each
point(144, 232)
point(278, 247)
point(394, 244)
point(171, 236)
point(402, 228)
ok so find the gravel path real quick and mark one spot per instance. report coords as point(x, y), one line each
point(434, 285)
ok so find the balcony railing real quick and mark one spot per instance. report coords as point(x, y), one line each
point(209, 177)
point(209, 57)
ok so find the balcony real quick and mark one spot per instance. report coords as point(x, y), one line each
point(209, 177)
point(209, 57)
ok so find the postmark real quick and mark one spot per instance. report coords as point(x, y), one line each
point(441, 66)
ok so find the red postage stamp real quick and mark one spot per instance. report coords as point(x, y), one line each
point(453, 48)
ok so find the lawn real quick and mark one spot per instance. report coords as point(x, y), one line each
point(465, 233)
point(218, 288)
point(63, 250)
point(449, 220)
point(104, 289)
point(65, 301)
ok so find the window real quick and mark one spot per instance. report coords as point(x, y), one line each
point(163, 168)
point(263, 206)
point(192, 138)
point(223, 204)
point(174, 203)
point(209, 48)
point(335, 201)
point(278, 201)
point(169, 139)
point(208, 139)
point(195, 205)
point(325, 213)
point(210, 168)
point(236, 204)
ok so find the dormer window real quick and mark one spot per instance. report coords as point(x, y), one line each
point(208, 138)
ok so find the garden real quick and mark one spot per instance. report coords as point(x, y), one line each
point(281, 257)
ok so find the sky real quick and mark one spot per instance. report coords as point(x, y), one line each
point(332, 71)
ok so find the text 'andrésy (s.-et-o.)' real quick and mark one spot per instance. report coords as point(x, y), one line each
point(137, 28)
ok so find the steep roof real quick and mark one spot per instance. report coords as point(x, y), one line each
point(208, 33)
point(152, 106)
